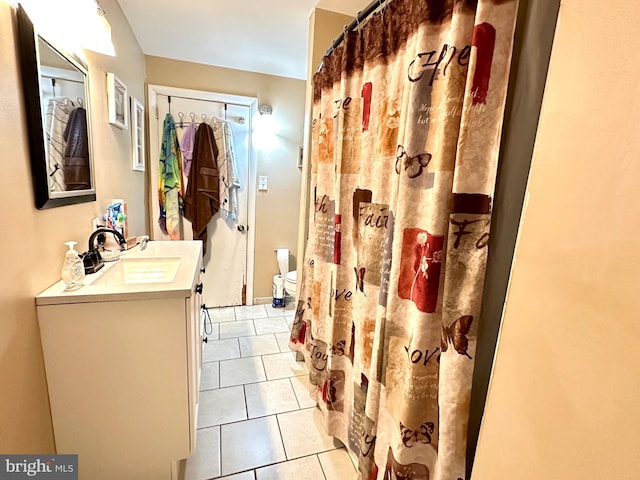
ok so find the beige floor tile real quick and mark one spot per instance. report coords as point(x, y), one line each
point(241, 371)
point(250, 444)
point(271, 325)
point(240, 476)
point(223, 405)
point(210, 376)
point(205, 463)
point(269, 398)
point(249, 312)
point(258, 345)
point(222, 314)
point(274, 312)
point(307, 468)
point(216, 350)
point(304, 434)
point(337, 465)
point(283, 341)
point(301, 388)
point(239, 328)
point(282, 365)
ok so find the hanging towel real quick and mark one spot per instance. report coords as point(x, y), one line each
point(77, 175)
point(170, 182)
point(228, 170)
point(58, 109)
point(186, 146)
point(202, 199)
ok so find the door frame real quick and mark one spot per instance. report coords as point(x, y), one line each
point(154, 150)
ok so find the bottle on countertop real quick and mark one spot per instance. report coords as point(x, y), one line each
point(72, 268)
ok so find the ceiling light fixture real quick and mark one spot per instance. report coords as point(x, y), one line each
point(90, 29)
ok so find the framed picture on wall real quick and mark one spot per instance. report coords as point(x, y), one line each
point(117, 101)
point(137, 134)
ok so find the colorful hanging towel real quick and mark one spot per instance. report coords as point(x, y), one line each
point(170, 183)
point(186, 146)
point(228, 171)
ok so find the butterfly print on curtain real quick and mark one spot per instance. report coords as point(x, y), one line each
point(412, 165)
point(456, 334)
point(421, 435)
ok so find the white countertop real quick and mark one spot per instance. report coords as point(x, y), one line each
point(190, 253)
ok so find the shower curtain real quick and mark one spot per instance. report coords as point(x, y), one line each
point(405, 134)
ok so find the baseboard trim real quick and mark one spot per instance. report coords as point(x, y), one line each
point(262, 300)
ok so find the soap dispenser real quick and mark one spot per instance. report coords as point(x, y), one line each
point(72, 269)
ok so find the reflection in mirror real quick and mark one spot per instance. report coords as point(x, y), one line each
point(56, 91)
point(66, 139)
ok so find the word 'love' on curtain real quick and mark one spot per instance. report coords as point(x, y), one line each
point(406, 128)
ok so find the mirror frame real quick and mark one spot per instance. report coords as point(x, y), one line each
point(29, 57)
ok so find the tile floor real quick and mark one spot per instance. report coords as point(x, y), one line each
point(256, 420)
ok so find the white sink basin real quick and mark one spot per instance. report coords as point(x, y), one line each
point(130, 271)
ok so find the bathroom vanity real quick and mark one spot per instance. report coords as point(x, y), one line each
point(123, 356)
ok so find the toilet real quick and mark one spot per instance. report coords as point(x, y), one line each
point(290, 277)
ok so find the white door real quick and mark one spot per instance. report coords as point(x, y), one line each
point(225, 277)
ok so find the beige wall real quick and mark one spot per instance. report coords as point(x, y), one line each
point(563, 399)
point(276, 209)
point(32, 245)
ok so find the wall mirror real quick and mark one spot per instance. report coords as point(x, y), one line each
point(56, 94)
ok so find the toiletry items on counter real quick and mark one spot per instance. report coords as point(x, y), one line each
point(72, 268)
point(116, 216)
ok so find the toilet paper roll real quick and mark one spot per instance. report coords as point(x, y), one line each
point(278, 287)
point(282, 255)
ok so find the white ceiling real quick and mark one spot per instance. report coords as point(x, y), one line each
point(265, 36)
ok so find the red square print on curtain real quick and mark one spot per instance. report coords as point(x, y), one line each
point(420, 267)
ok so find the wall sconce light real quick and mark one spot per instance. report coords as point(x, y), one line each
point(98, 32)
point(265, 128)
point(90, 29)
point(265, 109)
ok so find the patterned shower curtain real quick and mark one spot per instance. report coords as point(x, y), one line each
point(406, 128)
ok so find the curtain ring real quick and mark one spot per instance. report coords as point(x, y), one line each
point(358, 19)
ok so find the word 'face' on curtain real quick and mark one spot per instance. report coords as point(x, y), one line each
point(406, 127)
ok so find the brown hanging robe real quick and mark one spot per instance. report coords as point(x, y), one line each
point(202, 199)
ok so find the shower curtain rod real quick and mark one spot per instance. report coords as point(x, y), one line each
point(360, 17)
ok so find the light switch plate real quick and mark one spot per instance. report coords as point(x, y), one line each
point(262, 183)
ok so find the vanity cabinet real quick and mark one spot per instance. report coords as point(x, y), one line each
point(123, 366)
